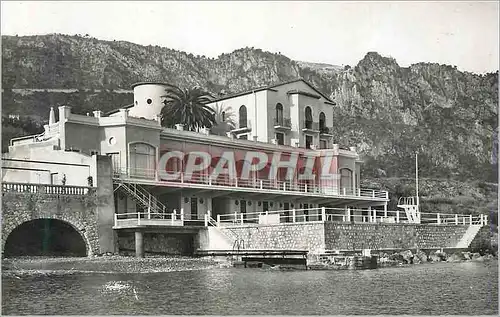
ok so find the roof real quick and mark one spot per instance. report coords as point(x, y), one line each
point(116, 110)
point(150, 83)
point(270, 87)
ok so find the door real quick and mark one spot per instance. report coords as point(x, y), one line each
point(286, 207)
point(194, 208)
point(115, 162)
point(265, 206)
point(243, 208)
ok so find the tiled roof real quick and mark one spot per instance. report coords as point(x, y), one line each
point(270, 87)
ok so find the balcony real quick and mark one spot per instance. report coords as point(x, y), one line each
point(204, 181)
point(325, 132)
point(310, 126)
point(242, 127)
point(282, 124)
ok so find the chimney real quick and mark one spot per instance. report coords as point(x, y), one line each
point(124, 113)
point(52, 116)
point(179, 127)
point(64, 112)
point(352, 148)
point(97, 113)
point(335, 147)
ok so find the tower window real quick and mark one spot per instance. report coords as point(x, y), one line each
point(149, 101)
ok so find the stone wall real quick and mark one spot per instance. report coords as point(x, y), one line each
point(484, 240)
point(80, 211)
point(346, 236)
point(335, 236)
point(293, 236)
point(160, 243)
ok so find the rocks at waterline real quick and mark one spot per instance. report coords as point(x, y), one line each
point(420, 257)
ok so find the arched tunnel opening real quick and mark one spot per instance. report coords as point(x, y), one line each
point(45, 237)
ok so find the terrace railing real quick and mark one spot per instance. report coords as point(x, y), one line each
point(345, 215)
point(203, 178)
point(148, 219)
point(45, 188)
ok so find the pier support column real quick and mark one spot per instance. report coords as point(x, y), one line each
point(139, 244)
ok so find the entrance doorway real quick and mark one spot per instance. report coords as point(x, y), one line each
point(286, 207)
point(194, 208)
point(265, 206)
point(243, 208)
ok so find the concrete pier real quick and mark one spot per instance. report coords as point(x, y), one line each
point(139, 244)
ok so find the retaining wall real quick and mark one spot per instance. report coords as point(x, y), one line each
point(293, 236)
point(339, 236)
point(348, 236)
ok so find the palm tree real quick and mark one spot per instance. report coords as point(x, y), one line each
point(187, 107)
point(224, 118)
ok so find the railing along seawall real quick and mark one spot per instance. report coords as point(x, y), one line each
point(346, 215)
point(45, 188)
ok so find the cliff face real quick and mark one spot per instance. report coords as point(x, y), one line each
point(388, 111)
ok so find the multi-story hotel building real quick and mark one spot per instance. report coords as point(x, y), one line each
point(292, 118)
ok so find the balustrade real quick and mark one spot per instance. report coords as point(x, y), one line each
point(45, 188)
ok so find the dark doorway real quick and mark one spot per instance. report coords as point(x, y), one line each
point(194, 208)
point(243, 208)
point(45, 237)
point(265, 206)
point(286, 207)
point(306, 212)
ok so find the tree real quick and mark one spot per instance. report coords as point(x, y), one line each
point(224, 120)
point(187, 107)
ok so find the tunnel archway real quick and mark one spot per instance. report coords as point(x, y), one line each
point(45, 237)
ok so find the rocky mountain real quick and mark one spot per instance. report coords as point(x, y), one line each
point(390, 112)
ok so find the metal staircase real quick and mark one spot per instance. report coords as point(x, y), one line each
point(410, 205)
point(140, 195)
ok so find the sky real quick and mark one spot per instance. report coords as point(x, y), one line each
point(463, 34)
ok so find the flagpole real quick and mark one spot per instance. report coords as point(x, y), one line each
point(416, 178)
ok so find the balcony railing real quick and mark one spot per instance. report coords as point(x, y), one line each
point(282, 123)
point(242, 127)
point(326, 131)
point(310, 126)
point(203, 178)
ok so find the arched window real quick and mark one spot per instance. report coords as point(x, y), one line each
point(308, 116)
point(223, 116)
point(346, 180)
point(142, 157)
point(279, 114)
point(322, 120)
point(243, 116)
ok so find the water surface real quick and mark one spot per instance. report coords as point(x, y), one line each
point(469, 288)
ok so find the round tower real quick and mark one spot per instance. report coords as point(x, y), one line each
point(148, 100)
